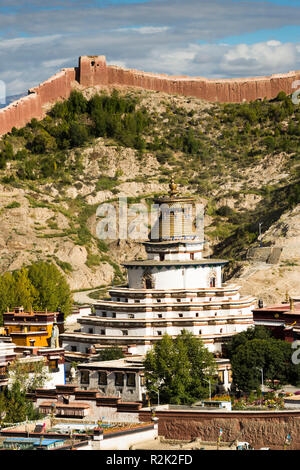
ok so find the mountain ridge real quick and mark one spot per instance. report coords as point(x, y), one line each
point(224, 154)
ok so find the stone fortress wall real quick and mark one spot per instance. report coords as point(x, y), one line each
point(93, 71)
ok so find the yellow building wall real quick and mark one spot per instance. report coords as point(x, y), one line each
point(40, 341)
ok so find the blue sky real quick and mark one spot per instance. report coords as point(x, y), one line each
point(210, 38)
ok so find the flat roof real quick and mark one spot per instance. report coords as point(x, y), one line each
point(32, 440)
point(200, 262)
point(123, 363)
point(283, 308)
point(174, 242)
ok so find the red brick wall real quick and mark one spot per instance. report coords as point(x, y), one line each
point(93, 71)
point(20, 112)
point(231, 90)
point(260, 429)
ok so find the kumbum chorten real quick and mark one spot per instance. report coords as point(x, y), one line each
point(174, 289)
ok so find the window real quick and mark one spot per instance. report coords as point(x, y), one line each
point(192, 256)
point(180, 315)
point(159, 315)
point(102, 378)
point(137, 301)
point(119, 379)
point(221, 377)
point(3, 372)
point(161, 257)
point(212, 282)
point(103, 314)
point(125, 332)
point(130, 315)
point(200, 332)
point(114, 315)
point(91, 330)
point(131, 380)
point(148, 284)
point(159, 333)
point(158, 300)
point(178, 300)
point(197, 314)
point(85, 377)
point(102, 332)
point(73, 348)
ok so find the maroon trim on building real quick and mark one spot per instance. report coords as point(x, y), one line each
point(282, 314)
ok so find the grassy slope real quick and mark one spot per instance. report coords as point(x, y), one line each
point(242, 158)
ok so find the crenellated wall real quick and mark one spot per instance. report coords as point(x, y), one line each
point(93, 71)
point(222, 90)
point(20, 112)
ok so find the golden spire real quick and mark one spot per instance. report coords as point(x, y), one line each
point(287, 297)
point(173, 187)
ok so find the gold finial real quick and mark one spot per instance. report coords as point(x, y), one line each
point(173, 187)
point(287, 297)
point(291, 304)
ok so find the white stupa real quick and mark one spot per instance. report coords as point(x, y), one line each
point(174, 289)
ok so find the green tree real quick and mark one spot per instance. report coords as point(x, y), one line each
point(51, 286)
point(110, 353)
point(17, 408)
point(7, 293)
point(179, 368)
point(29, 375)
point(272, 355)
point(78, 134)
point(24, 377)
point(24, 293)
point(258, 332)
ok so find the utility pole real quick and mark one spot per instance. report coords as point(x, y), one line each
point(209, 385)
point(262, 378)
point(259, 229)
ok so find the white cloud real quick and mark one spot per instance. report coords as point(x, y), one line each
point(56, 62)
point(20, 42)
point(261, 58)
point(144, 29)
point(161, 36)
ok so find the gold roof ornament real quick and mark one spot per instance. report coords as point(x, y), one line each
point(292, 304)
point(173, 187)
point(287, 297)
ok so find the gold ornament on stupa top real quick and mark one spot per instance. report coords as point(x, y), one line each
point(287, 297)
point(173, 187)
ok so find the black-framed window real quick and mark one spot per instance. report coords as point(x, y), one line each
point(119, 379)
point(53, 365)
point(102, 378)
point(84, 377)
point(131, 380)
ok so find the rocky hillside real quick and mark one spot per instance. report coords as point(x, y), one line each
point(241, 160)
